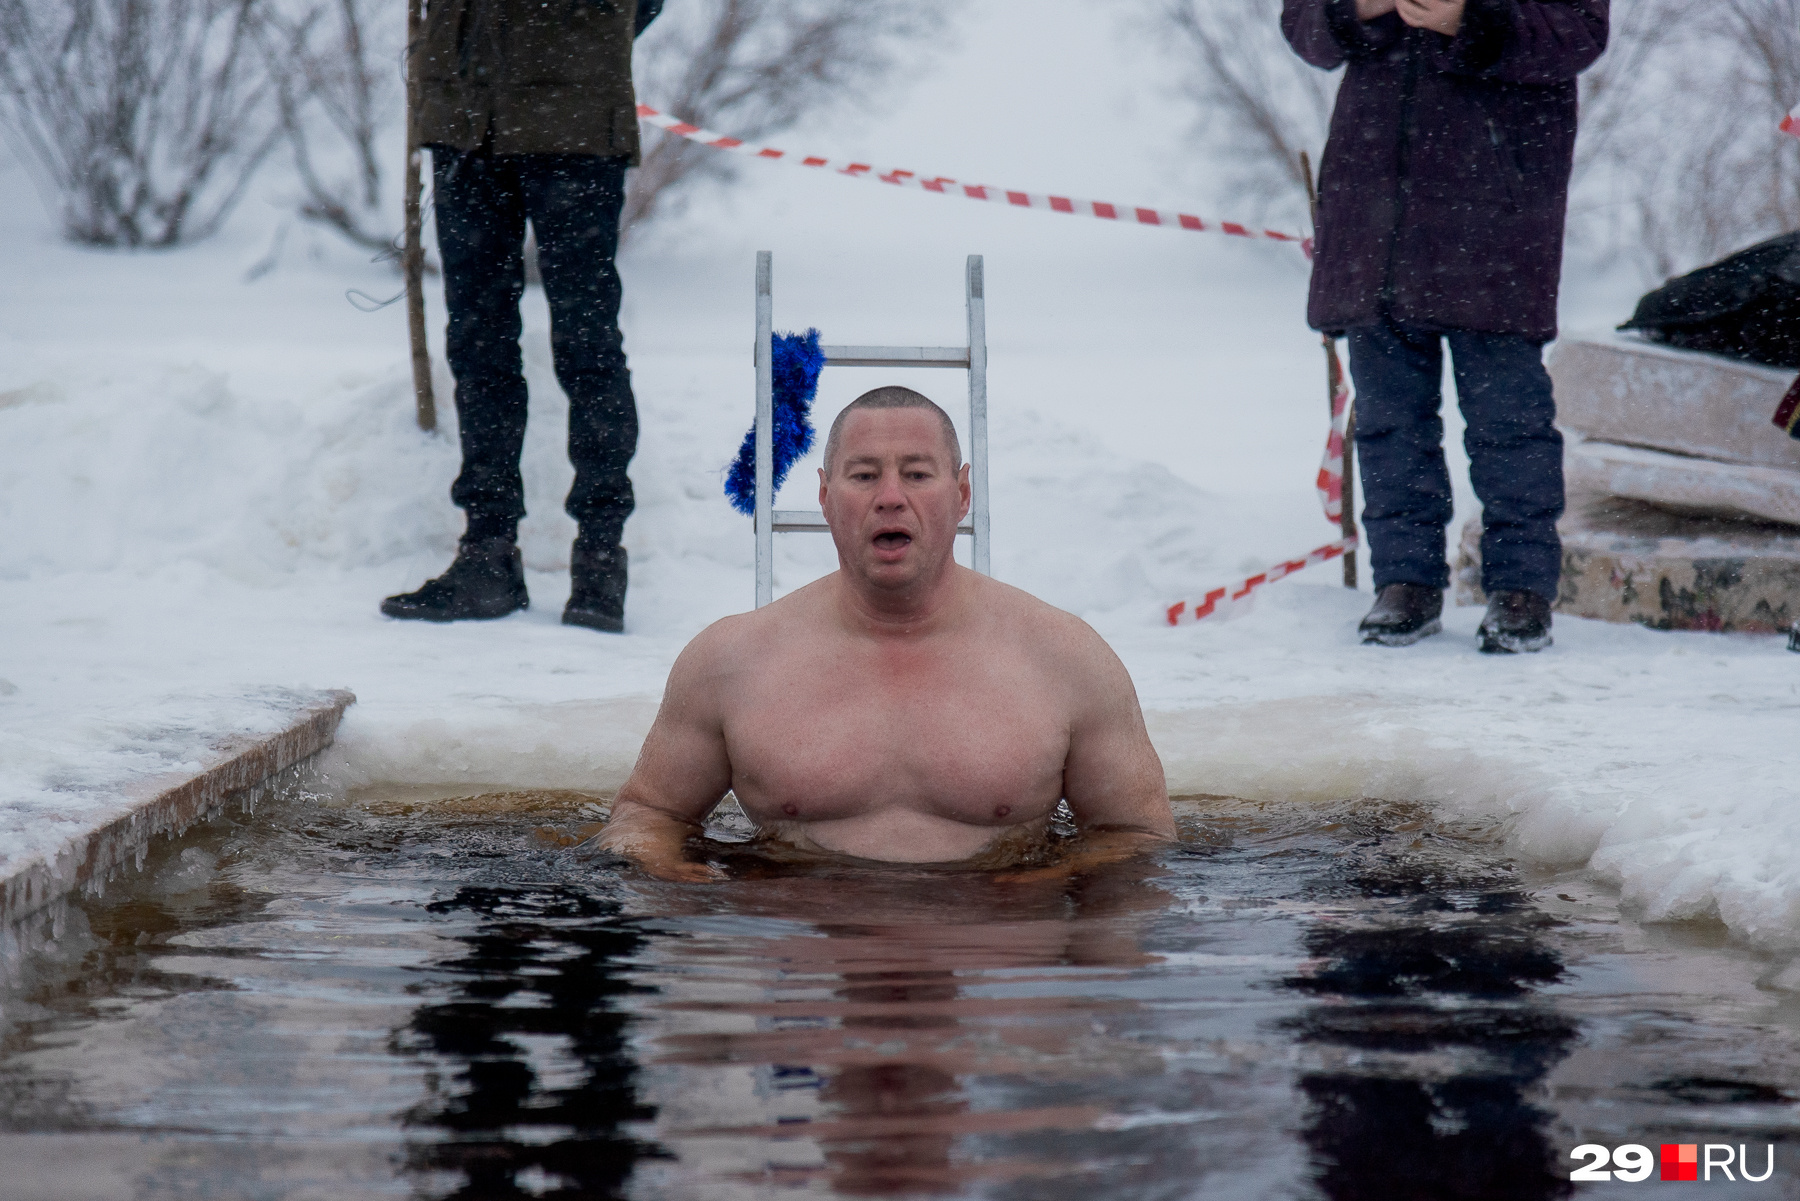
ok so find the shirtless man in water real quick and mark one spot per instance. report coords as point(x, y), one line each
point(903, 708)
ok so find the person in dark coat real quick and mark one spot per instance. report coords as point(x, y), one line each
point(1443, 193)
point(530, 115)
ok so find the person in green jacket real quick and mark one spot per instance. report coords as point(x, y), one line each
point(528, 109)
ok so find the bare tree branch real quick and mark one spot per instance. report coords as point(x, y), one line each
point(324, 62)
point(754, 68)
point(1679, 160)
point(147, 117)
point(1255, 106)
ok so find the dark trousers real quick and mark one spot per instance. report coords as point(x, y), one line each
point(573, 203)
point(1515, 454)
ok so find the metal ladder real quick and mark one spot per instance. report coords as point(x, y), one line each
point(971, 358)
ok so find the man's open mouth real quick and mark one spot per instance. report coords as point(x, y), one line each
point(892, 540)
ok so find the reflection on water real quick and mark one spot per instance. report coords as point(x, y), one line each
point(924, 1033)
point(543, 971)
point(1449, 978)
point(399, 999)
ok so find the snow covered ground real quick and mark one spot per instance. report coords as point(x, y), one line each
point(207, 484)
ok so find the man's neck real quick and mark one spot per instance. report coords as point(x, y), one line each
point(926, 607)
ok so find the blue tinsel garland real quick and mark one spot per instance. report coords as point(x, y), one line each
point(797, 361)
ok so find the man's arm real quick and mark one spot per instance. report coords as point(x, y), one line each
point(1526, 41)
point(1112, 778)
point(1328, 33)
point(682, 771)
point(1439, 16)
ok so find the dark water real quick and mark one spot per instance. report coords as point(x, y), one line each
point(386, 999)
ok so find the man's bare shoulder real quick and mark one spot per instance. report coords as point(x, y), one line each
point(725, 644)
point(735, 641)
point(1071, 642)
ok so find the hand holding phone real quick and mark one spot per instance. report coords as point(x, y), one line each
point(1439, 16)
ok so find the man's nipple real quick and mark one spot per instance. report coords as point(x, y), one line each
point(791, 810)
point(1002, 810)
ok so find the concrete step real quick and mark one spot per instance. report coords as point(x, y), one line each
point(1682, 483)
point(1626, 561)
point(1623, 390)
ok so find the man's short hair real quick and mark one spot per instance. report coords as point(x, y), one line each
point(893, 397)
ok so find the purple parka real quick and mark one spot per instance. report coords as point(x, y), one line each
point(1445, 183)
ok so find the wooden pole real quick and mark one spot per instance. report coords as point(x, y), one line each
point(1334, 373)
point(412, 260)
point(1334, 379)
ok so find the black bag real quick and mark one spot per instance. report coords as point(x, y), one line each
point(1746, 306)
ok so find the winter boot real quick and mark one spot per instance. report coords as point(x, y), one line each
point(597, 586)
point(1514, 622)
point(1794, 638)
point(486, 581)
point(1403, 614)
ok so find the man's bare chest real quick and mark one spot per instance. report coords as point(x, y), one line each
point(972, 742)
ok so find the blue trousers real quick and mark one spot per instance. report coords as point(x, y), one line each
point(1515, 454)
point(573, 203)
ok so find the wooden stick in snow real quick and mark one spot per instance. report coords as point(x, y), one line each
point(413, 257)
point(1334, 378)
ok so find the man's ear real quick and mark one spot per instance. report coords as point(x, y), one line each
point(821, 487)
point(962, 488)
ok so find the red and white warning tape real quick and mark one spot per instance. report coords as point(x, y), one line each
point(1331, 467)
point(1331, 499)
point(1791, 122)
point(1331, 470)
point(945, 186)
point(1207, 605)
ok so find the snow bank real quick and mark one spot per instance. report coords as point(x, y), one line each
point(207, 486)
point(132, 464)
point(189, 533)
point(184, 539)
point(585, 745)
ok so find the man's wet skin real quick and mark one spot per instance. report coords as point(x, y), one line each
point(903, 708)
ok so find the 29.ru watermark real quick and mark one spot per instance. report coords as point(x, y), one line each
point(1679, 1161)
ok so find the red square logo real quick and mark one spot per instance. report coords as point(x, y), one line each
point(1681, 1161)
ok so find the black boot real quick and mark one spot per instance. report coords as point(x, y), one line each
point(597, 586)
point(1515, 622)
point(1403, 614)
point(487, 580)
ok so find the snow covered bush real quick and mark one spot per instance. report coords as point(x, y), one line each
point(147, 118)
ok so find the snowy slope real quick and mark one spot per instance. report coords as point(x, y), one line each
point(207, 485)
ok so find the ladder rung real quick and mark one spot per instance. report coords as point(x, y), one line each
point(789, 521)
point(896, 356)
point(811, 521)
